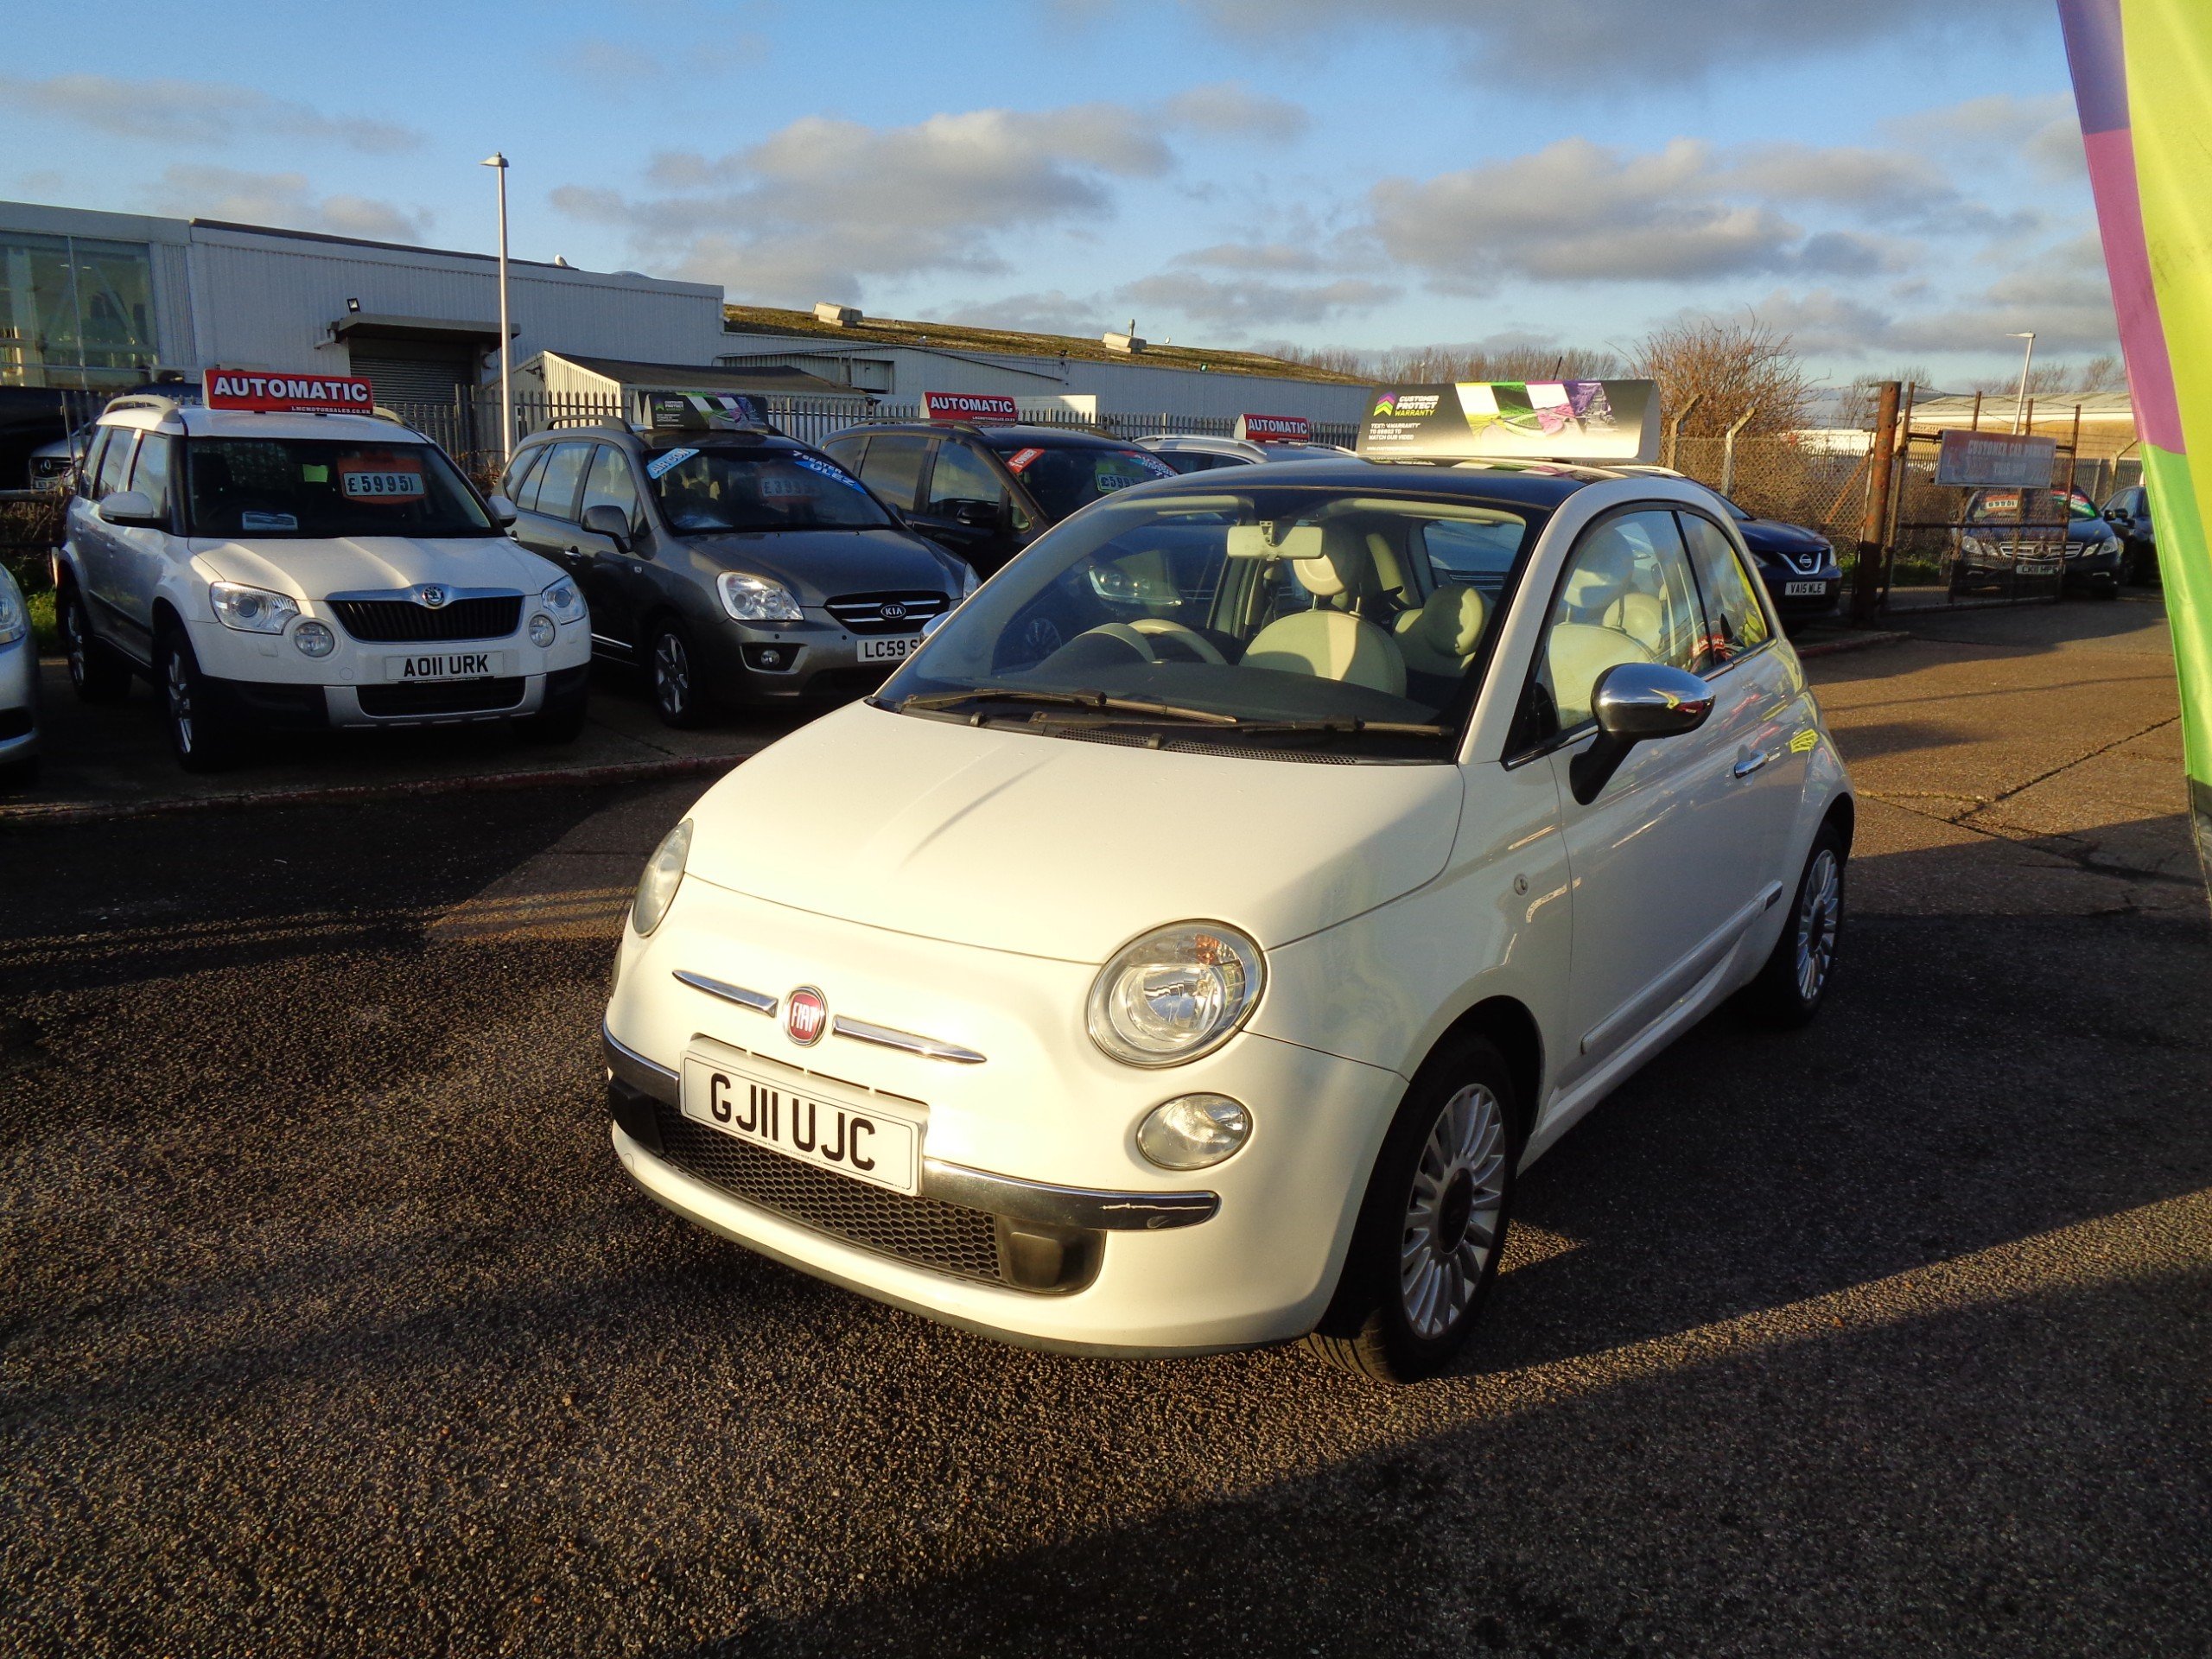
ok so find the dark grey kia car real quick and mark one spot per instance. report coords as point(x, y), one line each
point(732, 566)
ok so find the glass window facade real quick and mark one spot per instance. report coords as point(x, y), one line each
point(75, 311)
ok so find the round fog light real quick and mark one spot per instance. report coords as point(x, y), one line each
point(541, 630)
point(1193, 1131)
point(314, 640)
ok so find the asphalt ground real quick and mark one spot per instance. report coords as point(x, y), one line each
point(328, 1323)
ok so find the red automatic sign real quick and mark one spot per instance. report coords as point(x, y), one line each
point(244, 389)
point(1274, 428)
point(969, 406)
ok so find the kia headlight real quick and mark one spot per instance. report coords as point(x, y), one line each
point(562, 601)
point(251, 610)
point(1175, 993)
point(756, 599)
point(664, 874)
point(15, 623)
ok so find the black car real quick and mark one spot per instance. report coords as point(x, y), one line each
point(2002, 539)
point(2128, 512)
point(736, 566)
point(987, 491)
point(1799, 565)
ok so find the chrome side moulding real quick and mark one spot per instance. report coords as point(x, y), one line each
point(758, 1002)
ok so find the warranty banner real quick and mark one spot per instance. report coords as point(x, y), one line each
point(2142, 82)
point(1514, 420)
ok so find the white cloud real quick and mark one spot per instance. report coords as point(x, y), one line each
point(2040, 130)
point(283, 200)
point(196, 112)
point(1231, 109)
point(1239, 304)
point(1584, 45)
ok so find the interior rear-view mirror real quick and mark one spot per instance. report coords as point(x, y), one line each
point(1632, 703)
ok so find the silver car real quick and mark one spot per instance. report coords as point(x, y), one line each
point(18, 686)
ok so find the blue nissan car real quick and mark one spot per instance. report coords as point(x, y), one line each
point(1799, 565)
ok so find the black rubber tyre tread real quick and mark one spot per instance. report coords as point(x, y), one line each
point(1359, 1334)
point(1772, 997)
point(214, 745)
point(106, 676)
point(695, 710)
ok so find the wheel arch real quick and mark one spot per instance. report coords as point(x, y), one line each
point(1843, 813)
point(1508, 1026)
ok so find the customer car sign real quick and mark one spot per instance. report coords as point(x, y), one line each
point(329, 394)
point(1968, 458)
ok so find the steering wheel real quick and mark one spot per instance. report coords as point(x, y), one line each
point(1140, 635)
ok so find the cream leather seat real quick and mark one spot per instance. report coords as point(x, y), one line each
point(1575, 655)
point(1440, 637)
point(1332, 645)
point(1642, 617)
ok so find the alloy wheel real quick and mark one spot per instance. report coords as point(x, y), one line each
point(1820, 907)
point(672, 675)
point(77, 648)
point(176, 685)
point(1451, 1222)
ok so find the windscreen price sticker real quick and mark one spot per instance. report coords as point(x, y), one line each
point(380, 478)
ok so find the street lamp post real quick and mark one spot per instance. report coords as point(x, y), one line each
point(498, 161)
point(2021, 403)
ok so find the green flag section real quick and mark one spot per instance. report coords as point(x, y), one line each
point(2142, 76)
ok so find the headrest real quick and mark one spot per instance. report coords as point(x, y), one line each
point(1589, 588)
point(1450, 623)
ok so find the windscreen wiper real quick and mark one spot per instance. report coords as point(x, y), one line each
point(1348, 727)
point(925, 702)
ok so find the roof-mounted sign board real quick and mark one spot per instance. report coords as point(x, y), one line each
point(1274, 428)
point(1514, 420)
point(969, 406)
point(703, 411)
point(322, 394)
point(1977, 458)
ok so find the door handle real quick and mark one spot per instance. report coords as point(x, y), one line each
point(1750, 764)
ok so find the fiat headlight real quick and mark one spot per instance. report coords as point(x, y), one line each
point(251, 610)
point(13, 623)
point(563, 603)
point(756, 599)
point(1175, 993)
point(663, 874)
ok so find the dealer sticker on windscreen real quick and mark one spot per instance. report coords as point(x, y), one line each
point(446, 666)
point(864, 1141)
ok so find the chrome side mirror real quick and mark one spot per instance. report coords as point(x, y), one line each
point(1634, 702)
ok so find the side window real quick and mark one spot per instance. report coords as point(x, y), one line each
point(846, 452)
point(612, 484)
point(518, 474)
point(894, 467)
point(961, 474)
point(1471, 555)
point(115, 461)
point(1626, 597)
point(1735, 620)
point(150, 477)
point(559, 478)
point(89, 466)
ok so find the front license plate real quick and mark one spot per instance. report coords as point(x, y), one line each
point(888, 651)
point(867, 1143)
point(445, 665)
point(1803, 589)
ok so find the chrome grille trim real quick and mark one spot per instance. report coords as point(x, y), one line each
point(758, 1002)
point(929, 1048)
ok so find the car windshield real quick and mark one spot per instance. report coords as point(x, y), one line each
point(702, 491)
point(1063, 477)
point(1315, 622)
point(315, 488)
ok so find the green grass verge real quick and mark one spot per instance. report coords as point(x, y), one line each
point(41, 606)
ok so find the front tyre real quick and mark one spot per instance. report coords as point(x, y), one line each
point(200, 735)
point(1791, 986)
point(671, 668)
point(1424, 1255)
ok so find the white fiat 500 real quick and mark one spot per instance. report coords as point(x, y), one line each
point(1207, 981)
point(294, 571)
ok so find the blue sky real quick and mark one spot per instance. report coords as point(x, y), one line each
point(1891, 182)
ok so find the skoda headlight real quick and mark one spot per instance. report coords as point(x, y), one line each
point(563, 603)
point(251, 610)
point(756, 599)
point(663, 874)
point(1175, 993)
point(13, 623)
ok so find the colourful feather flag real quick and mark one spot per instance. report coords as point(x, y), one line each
point(2143, 84)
